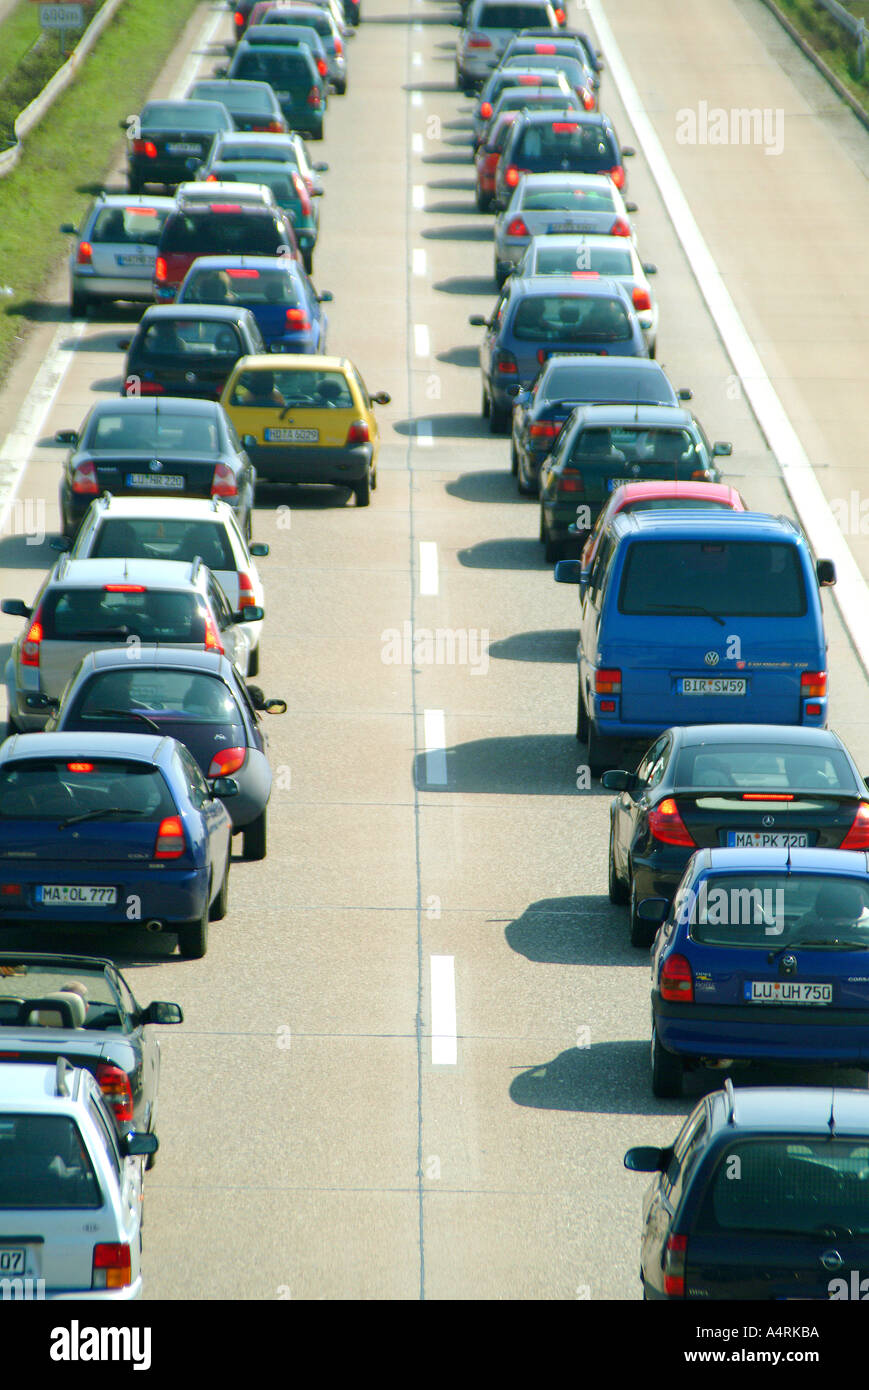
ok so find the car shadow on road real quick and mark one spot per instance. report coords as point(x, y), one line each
point(604, 1078)
point(311, 497)
point(557, 646)
point(429, 87)
point(446, 426)
point(467, 284)
point(97, 342)
point(111, 384)
point(457, 185)
point(468, 209)
point(504, 553)
point(490, 485)
point(460, 356)
point(521, 765)
point(24, 551)
point(466, 233)
point(446, 158)
point(582, 930)
point(125, 946)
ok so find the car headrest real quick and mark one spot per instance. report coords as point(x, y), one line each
point(62, 1009)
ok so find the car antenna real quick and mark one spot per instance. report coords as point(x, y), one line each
point(831, 1123)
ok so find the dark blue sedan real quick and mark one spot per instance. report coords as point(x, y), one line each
point(539, 317)
point(275, 289)
point(112, 830)
point(763, 957)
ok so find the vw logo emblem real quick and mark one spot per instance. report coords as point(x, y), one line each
point(711, 658)
point(789, 965)
point(155, 466)
point(768, 821)
point(189, 376)
point(831, 1259)
point(636, 470)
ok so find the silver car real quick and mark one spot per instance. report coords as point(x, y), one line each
point(547, 204)
point(613, 256)
point(115, 250)
point(71, 1190)
point(489, 25)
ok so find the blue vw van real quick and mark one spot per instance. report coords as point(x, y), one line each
point(697, 617)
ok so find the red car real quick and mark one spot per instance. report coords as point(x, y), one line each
point(487, 157)
point(218, 229)
point(658, 496)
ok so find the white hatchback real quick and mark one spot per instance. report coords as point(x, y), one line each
point(70, 1189)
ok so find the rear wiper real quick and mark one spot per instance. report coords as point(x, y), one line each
point(122, 714)
point(99, 815)
point(685, 608)
point(833, 945)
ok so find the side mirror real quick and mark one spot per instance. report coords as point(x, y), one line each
point(619, 781)
point(275, 706)
point(249, 615)
point(159, 1012)
point(125, 344)
point(685, 394)
point(321, 167)
point(68, 228)
point(249, 441)
point(645, 1159)
point(650, 268)
point(568, 572)
point(136, 1145)
point(221, 71)
point(122, 125)
point(381, 398)
point(257, 698)
point(41, 702)
point(628, 152)
point(66, 437)
point(631, 207)
point(653, 910)
point(326, 297)
point(316, 191)
point(15, 608)
point(478, 321)
point(224, 786)
point(722, 448)
point(514, 391)
point(60, 543)
point(826, 572)
point(258, 548)
point(522, 397)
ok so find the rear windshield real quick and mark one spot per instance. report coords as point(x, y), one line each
point(560, 144)
point(241, 151)
point(253, 99)
point(626, 444)
point(207, 233)
point(608, 384)
point(568, 318)
point(21, 981)
point(796, 1186)
point(514, 17)
point(510, 78)
point(192, 696)
point(311, 21)
point(163, 538)
point(287, 68)
point(100, 615)
point(243, 285)
point(274, 178)
point(182, 116)
point(44, 1165)
point(313, 389)
point(515, 101)
point(190, 338)
point(557, 62)
point(158, 433)
point(567, 260)
point(764, 767)
point(569, 200)
point(739, 579)
point(676, 504)
point(762, 910)
point(122, 226)
point(53, 789)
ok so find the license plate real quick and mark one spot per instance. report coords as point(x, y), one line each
point(183, 148)
point(568, 227)
point(161, 481)
point(292, 436)
point(711, 685)
point(75, 895)
point(13, 1260)
point(134, 260)
point(763, 839)
point(613, 483)
point(787, 992)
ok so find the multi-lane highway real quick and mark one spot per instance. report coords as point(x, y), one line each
point(417, 1048)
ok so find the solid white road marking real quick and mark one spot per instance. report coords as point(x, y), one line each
point(417, 197)
point(421, 343)
point(418, 261)
point(188, 74)
point(434, 733)
point(444, 1039)
point(812, 507)
point(416, 144)
point(428, 567)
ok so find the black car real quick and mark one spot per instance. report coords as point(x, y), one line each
point(728, 785)
point(564, 382)
point(188, 349)
point(142, 446)
point(81, 1008)
point(543, 142)
point(196, 697)
point(762, 1196)
point(252, 105)
point(170, 139)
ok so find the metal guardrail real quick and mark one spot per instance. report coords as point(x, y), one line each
point(855, 27)
point(33, 114)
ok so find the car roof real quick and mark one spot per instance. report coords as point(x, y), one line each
point(644, 416)
point(298, 362)
point(166, 405)
point(144, 748)
point(131, 200)
point(154, 574)
point(687, 524)
point(576, 118)
point(691, 735)
point(268, 139)
point(172, 658)
point(595, 363)
point(802, 1109)
point(225, 82)
point(531, 286)
point(571, 178)
point(228, 313)
point(35, 1083)
point(558, 240)
point(200, 208)
point(227, 262)
point(190, 107)
point(199, 508)
point(846, 862)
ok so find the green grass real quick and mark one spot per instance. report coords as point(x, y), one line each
point(18, 32)
point(71, 151)
point(830, 41)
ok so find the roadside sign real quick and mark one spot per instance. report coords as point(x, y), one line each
point(61, 16)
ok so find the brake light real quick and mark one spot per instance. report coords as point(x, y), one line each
point(675, 1261)
point(274, 128)
point(571, 482)
point(561, 16)
point(585, 274)
point(223, 484)
point(767, 796)
point(85, 253)
point(79, 767)
point(617, 174)
point(313, 98)
point(246, 596)
point(544, 48)
point(608, 681)
point(620, 228)
point(667, 826)
point(478, 41)
point(543, 429)
point(358, 433)
point(133, 386)
point(238, 19)
point(117, 1092)
point(10, 890)
point(302, 191)
point(242, 273)
point(642, 299)
point(339, 48)
point(161, 271)
point(145, 147)
point(676, 980)
point(124, 589)
point(486, 110)
point(858, 835)
point(224, 207)
point(84, 479)
point(506, 363)
point(297, 321)
point(529, 79)
point(322, 67)
point(30, 645)
point(564, 127)
point(813, 684)
point(511, 176)
point(170, 843)
point(212, 178)
point(227, 761)
point(112, 1267)
point(212, 636)
point(517, 228)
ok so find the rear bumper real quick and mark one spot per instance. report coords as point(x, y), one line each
point(127, 1295)
point(611, 725)
point(308, 464)
point(768, 1033)
point(171, 896)
point(139, 288)
point(165, 170)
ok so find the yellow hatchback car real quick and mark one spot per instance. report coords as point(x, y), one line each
point(306, 420)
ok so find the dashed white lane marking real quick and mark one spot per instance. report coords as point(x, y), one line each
point(418, 261)
point(416, 144)
point(423, 434)
point(444, 1039)
point(428, 567)
point(417, 197)
point(416, 60)
point(434, 734)
point(421, 343)
point(416, 98)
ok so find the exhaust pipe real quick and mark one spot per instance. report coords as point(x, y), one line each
point(153, 925)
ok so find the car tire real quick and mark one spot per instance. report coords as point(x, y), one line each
point(218, 908)
point(253, 661)
point(374, 480)
point(362, 491)
point(499, 419)
point(318, 133)
point(524, 488)
point(599, 756)
point(486, 405)
point(134, 185)
point(308, 261)
point(618, 891)
point(149, 1164)
point(484, 201)
point(551, 548)
point(668, 1071)
point(193, 937)
point(581, 716)
point(501, 275)
point(642, 933)
point(254, 839)
point(341, 88)
point(514, 458)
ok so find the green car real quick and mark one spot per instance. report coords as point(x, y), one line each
point(291, 194)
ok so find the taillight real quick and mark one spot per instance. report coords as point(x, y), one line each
point(274, 128)
point(84, 479)
point(858, 835)
point(478, 41)
point(302, 193)
point(676, 981)
point(813, 684)
point(246, 595)
point(135, 387)
point(620, 228)
point(224, 483)
point(85, 254)
point(339, 48)
point(227, 761)
point(561, 16)
point(511, 176)
point(297, 321)
point(486, 110)
point(617, 174)
point(212, 178)
point(505, 363)
point(112, 1267)
point(517, 228)
point(667, 826)
point(170, 842)
point(238, 19)
point(608, 681)
point(212, 636)
point(543, 429)
point(358, 433)
point(322, 67)
point(675, 1261)
point(145, 147)
point(571, 482)
point(30, 646)
point(115, 1086)
point(642, 299)
point(313, 98)
point(161, 271)
point(125, 589)
point(587, 99)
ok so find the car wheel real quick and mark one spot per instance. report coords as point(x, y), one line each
point(217, 911)
point(134, 185)
point(581, 716)
point(599, 755)
point(374, 480)
point(253, 661)
point(362, 490)
point(524, 488)
point(193, 937)
point(653, 349)
point(499, 419)
point(254, 839)
point(618, 891)
point(78, 305)
point(551, 548)
point(484, 202)
point(341, 88)
point(668, 1071)
point(486, 405)
point(501, 274)
point(514, 459)
point(149, 1164)
point(642, 933)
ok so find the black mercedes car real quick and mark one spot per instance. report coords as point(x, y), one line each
point(169, 140)
point(188, 349)
point(164, 445)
